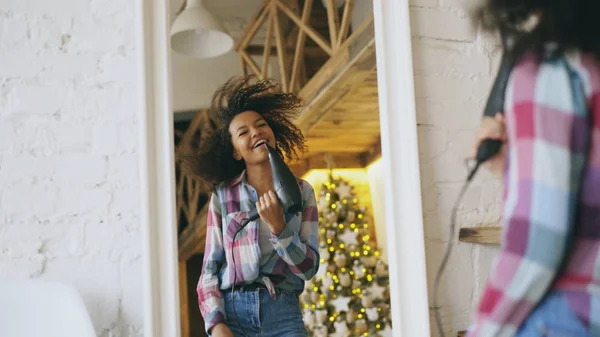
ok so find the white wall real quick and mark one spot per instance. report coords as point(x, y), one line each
point(376, 185)
point(454, 69)
point(69, 208)
point(195, 80)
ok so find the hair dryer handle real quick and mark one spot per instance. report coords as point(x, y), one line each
point(487, 149)
point(253, 215)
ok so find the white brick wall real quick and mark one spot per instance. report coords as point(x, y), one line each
point(69, 200)
point(454, 68)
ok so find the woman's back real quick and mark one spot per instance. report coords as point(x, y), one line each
point(552, 214)
point(579, 281)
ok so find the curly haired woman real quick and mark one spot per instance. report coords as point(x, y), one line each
point(273, 256)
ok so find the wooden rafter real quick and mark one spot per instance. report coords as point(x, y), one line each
point(281, 52)
point(332, 17)
point(345, 160)
point(267, 48)
point(292, 69)
point(346, 18)
point(349, 67)
point(193, 237)
point(299, 52)
point(307, 28)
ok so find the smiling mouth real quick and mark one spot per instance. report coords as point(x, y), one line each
point(259, 143)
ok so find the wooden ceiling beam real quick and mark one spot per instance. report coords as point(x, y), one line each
point(350, 66)
point(340, 160)
point(372, 155)
point(193, 237)
point(308, 51)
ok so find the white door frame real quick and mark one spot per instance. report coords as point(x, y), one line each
point(405, 240)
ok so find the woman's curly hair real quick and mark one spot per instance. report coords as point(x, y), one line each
point(570, 24)
point(210, 156)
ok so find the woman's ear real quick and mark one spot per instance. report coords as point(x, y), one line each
point(236, 155)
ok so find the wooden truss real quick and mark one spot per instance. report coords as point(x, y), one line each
point(350, 56)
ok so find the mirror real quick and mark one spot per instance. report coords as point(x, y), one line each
point(295, 44)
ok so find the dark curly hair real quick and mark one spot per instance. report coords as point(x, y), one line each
point(210, 156)
point(570, 24)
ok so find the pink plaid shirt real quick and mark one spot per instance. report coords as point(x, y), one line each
point(296, 254)
point(545, 163)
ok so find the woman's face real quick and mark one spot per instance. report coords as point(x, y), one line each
point(248, 132)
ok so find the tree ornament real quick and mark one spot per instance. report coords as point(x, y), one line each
point(340, 259)
point(381, 269)
point(351, 216)
point(341, 327)
point(314, 297)
point(321, 316)
point(344, 190)
point(361, 326)
point(309, 318)
point(324, 251)
point(345, 280)
point(327, 283)
point(359, 269)
point(341, 303)
point(369, 261)
point(372, 314)
point(330, 234)
point(321, 331)
point(349, 237)
point(367, 299)
point(377, 291)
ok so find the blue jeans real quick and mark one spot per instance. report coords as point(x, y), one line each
point(262, 316)
point(553, 318)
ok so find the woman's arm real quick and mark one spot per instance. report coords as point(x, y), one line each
point(210, 297)
point(300, 250)
point(540, 201)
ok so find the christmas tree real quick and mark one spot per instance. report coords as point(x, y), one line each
point(349, 296)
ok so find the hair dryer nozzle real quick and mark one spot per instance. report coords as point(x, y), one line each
point(285, 183)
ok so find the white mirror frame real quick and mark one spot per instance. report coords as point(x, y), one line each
point(400, 158)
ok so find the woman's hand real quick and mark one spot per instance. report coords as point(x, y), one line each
point(492, 128)
point(271, 212)
point(221, 330)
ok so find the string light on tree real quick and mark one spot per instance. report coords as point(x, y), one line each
point(349, 296)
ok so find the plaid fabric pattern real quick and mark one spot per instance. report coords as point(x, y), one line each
point(546, 247)
point(296, 260)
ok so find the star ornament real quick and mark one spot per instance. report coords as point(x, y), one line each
point(341, 304)
point(349, 237)
point(343, 190)
point(376, 290)
point(386, 332)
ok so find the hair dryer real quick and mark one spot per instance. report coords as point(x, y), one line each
point(285, 183)
point(495, 104)
point(486, 150)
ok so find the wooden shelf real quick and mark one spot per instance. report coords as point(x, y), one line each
point(483, 235)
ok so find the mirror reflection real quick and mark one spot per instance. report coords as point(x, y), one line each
point(295, 96)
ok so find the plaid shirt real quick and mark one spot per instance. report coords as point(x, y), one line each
point(296, 259)
point(551, 225)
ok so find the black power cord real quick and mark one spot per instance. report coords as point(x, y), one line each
point(486, 150)
point(438, 276)
point(245, 222)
